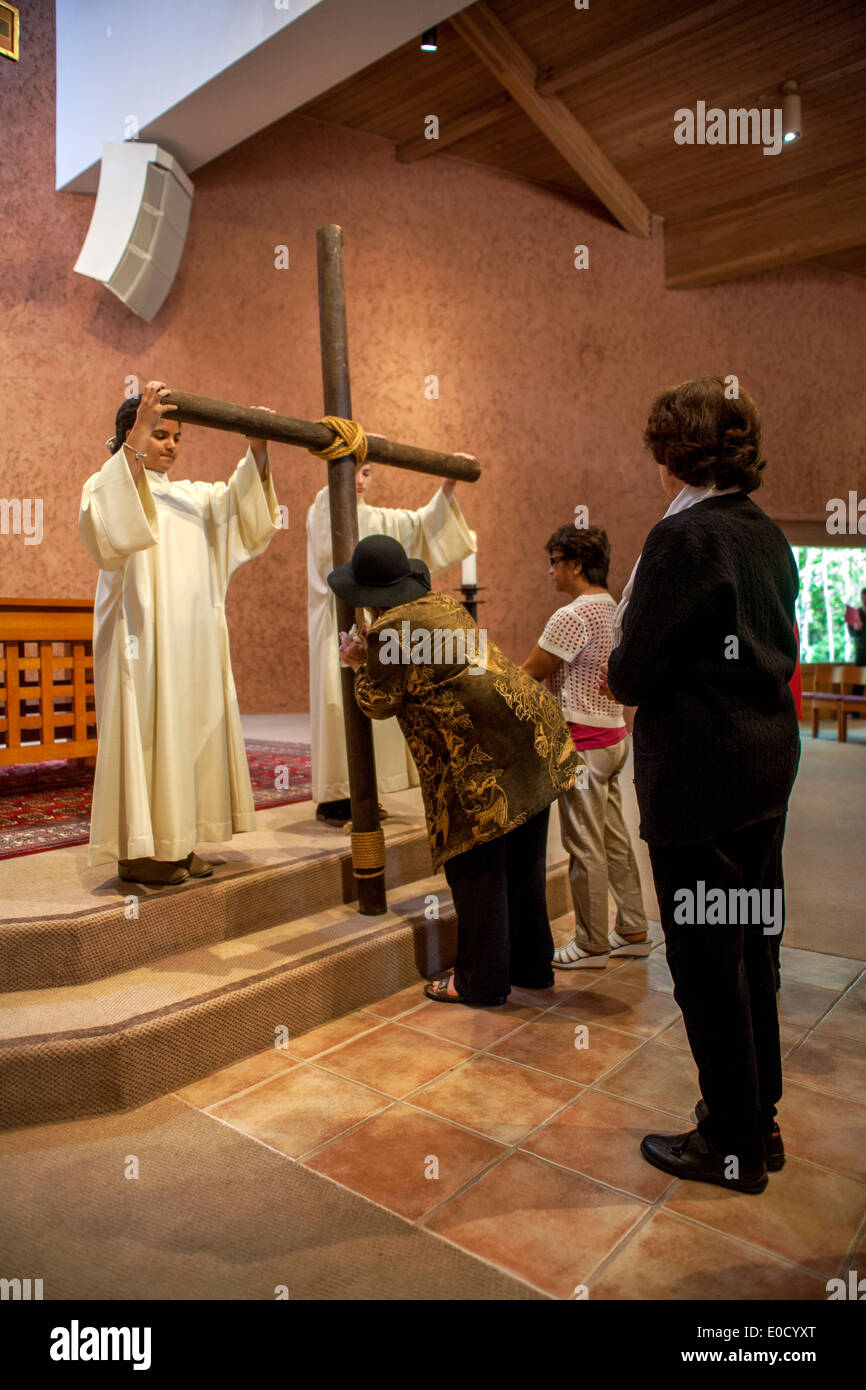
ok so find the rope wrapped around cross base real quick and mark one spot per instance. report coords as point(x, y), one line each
point(368, 853)
point(351, 439)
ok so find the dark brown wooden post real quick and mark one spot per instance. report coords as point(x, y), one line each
point(368, 842)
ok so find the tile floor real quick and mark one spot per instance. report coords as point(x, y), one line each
point(499, 1131)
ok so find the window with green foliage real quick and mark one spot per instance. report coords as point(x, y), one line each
point(830, 581)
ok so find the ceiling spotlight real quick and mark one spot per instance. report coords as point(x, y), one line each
point(792, 120)
point(428, 40)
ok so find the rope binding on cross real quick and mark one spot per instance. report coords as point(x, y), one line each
point(351, 439)
point(368, 853)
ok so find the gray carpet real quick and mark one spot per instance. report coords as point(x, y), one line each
point(212, 1215)
point(825, 847)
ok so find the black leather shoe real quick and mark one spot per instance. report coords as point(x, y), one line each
point(774, 1149)
point(690, 1156)
point(538, 984)
point(334, 812)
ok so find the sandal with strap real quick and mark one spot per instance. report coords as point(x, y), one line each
point(437, 990)
point(621, 946)
point(573, 957)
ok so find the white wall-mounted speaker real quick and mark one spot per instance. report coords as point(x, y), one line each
point(139, 225)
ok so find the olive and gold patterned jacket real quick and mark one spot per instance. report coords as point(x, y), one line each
point(490, 745)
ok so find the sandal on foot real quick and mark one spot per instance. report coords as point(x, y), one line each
point(573, 957)
point(437, 990)
point(621, 946)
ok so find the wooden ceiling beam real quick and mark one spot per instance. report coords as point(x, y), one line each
point(555, 78)
point(480, 28)
point(469, 124)
point(815, 217)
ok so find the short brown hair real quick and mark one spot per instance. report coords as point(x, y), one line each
point(704, 438)
point(588, 545)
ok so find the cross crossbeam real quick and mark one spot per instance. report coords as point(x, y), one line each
point(307, 434)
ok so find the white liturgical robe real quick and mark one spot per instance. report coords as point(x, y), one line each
point(171, 768)
point(437, 534)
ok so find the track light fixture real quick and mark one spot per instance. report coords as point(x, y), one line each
point(428, 41)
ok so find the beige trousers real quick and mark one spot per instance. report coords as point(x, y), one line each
point(596, 839)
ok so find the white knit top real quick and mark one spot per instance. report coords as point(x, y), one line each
point(581, 634)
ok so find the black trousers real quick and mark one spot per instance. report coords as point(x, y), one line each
point(725, 981)
point(503, 930)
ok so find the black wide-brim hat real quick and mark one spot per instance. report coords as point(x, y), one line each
point(380, 575)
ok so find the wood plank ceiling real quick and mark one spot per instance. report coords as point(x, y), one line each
point(583, 102)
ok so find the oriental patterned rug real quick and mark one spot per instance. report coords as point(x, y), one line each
point(47, 805)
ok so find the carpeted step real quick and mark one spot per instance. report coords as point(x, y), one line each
point(148, 924)
point(111, 1044)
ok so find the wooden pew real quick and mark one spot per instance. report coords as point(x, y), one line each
point(815, 676)
point(850, 703)
point(832, 688)
point(46, 680)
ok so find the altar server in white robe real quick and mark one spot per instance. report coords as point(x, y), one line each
point(437, 534)
point(171, 767)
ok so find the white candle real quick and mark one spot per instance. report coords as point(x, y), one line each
point(469, 572)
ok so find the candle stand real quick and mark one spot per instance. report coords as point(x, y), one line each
point(471, 601)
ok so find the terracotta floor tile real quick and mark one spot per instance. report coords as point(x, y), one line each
point(390, 1159)
point(675, 1036)
point(804, 1004)
point(824, 1129)
point(548, 1043)
point(660, 1078)
point(671, 1259)
point(299, 1110)
point(563, 988)
point(474, 1027)
point(790, 1036)
point(847, 1018)
point(499, 1098)
point(829, 1062)
point(585, 976)
point(338, 1030)
point(544, 1224)
point(652, 970)
point(634, 978)
point(600, 1135)
point(633, 1008)
point(237, 1077)
point(395, 1004)
point(393, 1059)
point(813, 968)
point(805, 1215)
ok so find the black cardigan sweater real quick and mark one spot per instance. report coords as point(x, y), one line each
point(716, 739)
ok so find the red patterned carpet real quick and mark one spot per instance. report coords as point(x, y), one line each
point(47, 805)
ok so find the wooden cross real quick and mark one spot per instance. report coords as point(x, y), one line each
point(368, 845)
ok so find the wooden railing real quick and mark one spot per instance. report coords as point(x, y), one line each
point(46, 680)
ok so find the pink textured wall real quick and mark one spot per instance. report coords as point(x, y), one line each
point(545, 372)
